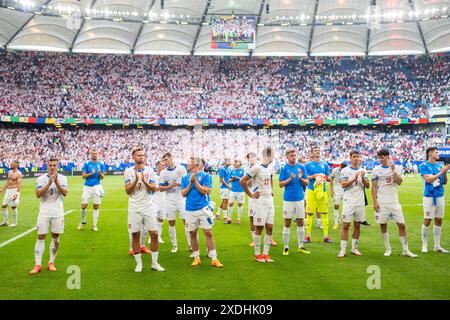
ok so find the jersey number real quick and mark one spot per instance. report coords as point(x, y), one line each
point(388, 180)
point(266, 182)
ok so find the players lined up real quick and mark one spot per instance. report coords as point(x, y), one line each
point(189, 196)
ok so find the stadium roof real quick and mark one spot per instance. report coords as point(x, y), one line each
point(285, 27)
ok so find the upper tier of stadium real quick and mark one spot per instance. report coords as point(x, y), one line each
point(61, 85)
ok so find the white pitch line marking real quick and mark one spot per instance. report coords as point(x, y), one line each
point(24, 234)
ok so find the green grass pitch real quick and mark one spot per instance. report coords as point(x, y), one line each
point(107, 271)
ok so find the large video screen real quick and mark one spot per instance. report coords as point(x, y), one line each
point(233, 32)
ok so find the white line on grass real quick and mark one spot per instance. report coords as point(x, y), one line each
point(24, 234)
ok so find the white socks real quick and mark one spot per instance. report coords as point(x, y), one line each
point(300, 236)
point(54, 245)
point(39, 251)
point(5, 214)
point(96, 214)
point(213, 254)
point(387, 244)
point(239, 213)
point(173, 235)
point(424, 236)
point(253, 235)
point(155, 257)
point(257, 244)
point(142, 238)
point(343, 245)
point(355, 243)
point(267, 240)
point(230, 212)
point(15, 215)
point(404, 243)
point(437, 236)
point(336, 216)
point(286, 236)
point(83, 216)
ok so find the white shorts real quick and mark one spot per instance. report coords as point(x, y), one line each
point(139, 220)
point(294, 209)
point(173, 206)
point(162, 213)
point(251, 207)
point(358, 213)
point(264, 211)
point(389, 211)
point(6, 199)
point(55, 225)
point(199, 219)
point(338, 196)
point(431, 211)
point(88, 194)
point(224, 193)
point(238, 197)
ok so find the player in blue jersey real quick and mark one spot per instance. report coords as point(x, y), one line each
point(237, 192)
point(225, 186)
point(318, 173)
point(434, 175)
point(93, 173)
point(292, 179)
point(196, 187)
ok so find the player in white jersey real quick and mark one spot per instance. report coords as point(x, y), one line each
point(353, 179)
point(170, 183)
point(143, 235)
point(337, 192)
point(261, 174)
point(251, 158)
point(50, 189)
point(160, 200)
point(140, 186)
point(385, 179)
point(13, 186)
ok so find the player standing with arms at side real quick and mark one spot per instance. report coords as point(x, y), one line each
point(336, 192)
point(196, 187)
point(140, 186)
point(225, 187)
point(292, 179)
point(13, 186)
point(170, 183)
point(93, 173)
point(261, 175)
point(50, 189)
point(318, 173)
point(353, 179)
point(435, 177)
point(237, 192)
point(385, 180)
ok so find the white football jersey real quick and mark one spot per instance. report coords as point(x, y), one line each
point(51, 205)
point(251, 186)
point(354, 194)
point(140, 199)
point(261, 177)
point(168, 176)
point(386, 187)
point(160, 197)
point(336, 176)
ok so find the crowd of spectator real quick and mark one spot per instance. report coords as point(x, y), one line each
point(32, 146)
point(133, 86)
